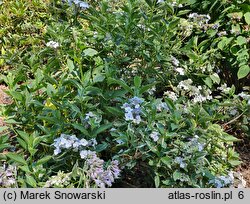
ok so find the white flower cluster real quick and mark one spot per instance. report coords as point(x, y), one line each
point(186, 27)
point(61, 180)
point(52, 44)
point(198, 94)
point(172, 95)
point(71, 142)
point(133, 110)
point(199, 18)
point(101, 176)
point(176, 63)
point(245, 97)
point(224, 89)
point(7, 176)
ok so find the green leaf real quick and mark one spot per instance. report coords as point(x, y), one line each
point(16, 95)
point(17, 158)
point(114, 111)
point(157, 181)
point(25, 136)
point(215, 78)
point(137, 82)
point(121, 83)
point(22, 143)
point(25, 169)
point(102, 128)
point(241, 40)
point(243, 71)
point(3, 128)
point(4, 146)
point(12, 121)
point(90, 52)
point(176, 175)
point(167, 160)
point(70, 65)
point(247, 17)
point(81, 128)
point(234, 162)
point(149, 2)
point(43, 160)
point(101, 147)
point(229, 138)
point(31, 181)
point(146, 87)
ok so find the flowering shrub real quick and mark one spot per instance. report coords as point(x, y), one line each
point(115, 91)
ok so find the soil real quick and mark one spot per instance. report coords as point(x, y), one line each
point(243, 147)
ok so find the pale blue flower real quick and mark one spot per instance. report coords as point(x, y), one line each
point(181, 162)
point(129, 116)
point(155, 136)
point(136, 100)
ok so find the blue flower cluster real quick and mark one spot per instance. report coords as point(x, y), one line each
point(81, 4)
point(101, 176)
point(133, 109)
point(71, 142)
point(181, 162)
point(222, 181)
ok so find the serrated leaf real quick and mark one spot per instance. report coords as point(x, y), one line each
point(17, 158)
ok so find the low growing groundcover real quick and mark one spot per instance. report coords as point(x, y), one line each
point(129, 93)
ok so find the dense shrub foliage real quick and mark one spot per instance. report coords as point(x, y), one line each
point(140, 92)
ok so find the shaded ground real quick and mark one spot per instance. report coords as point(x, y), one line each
point(243, 148)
